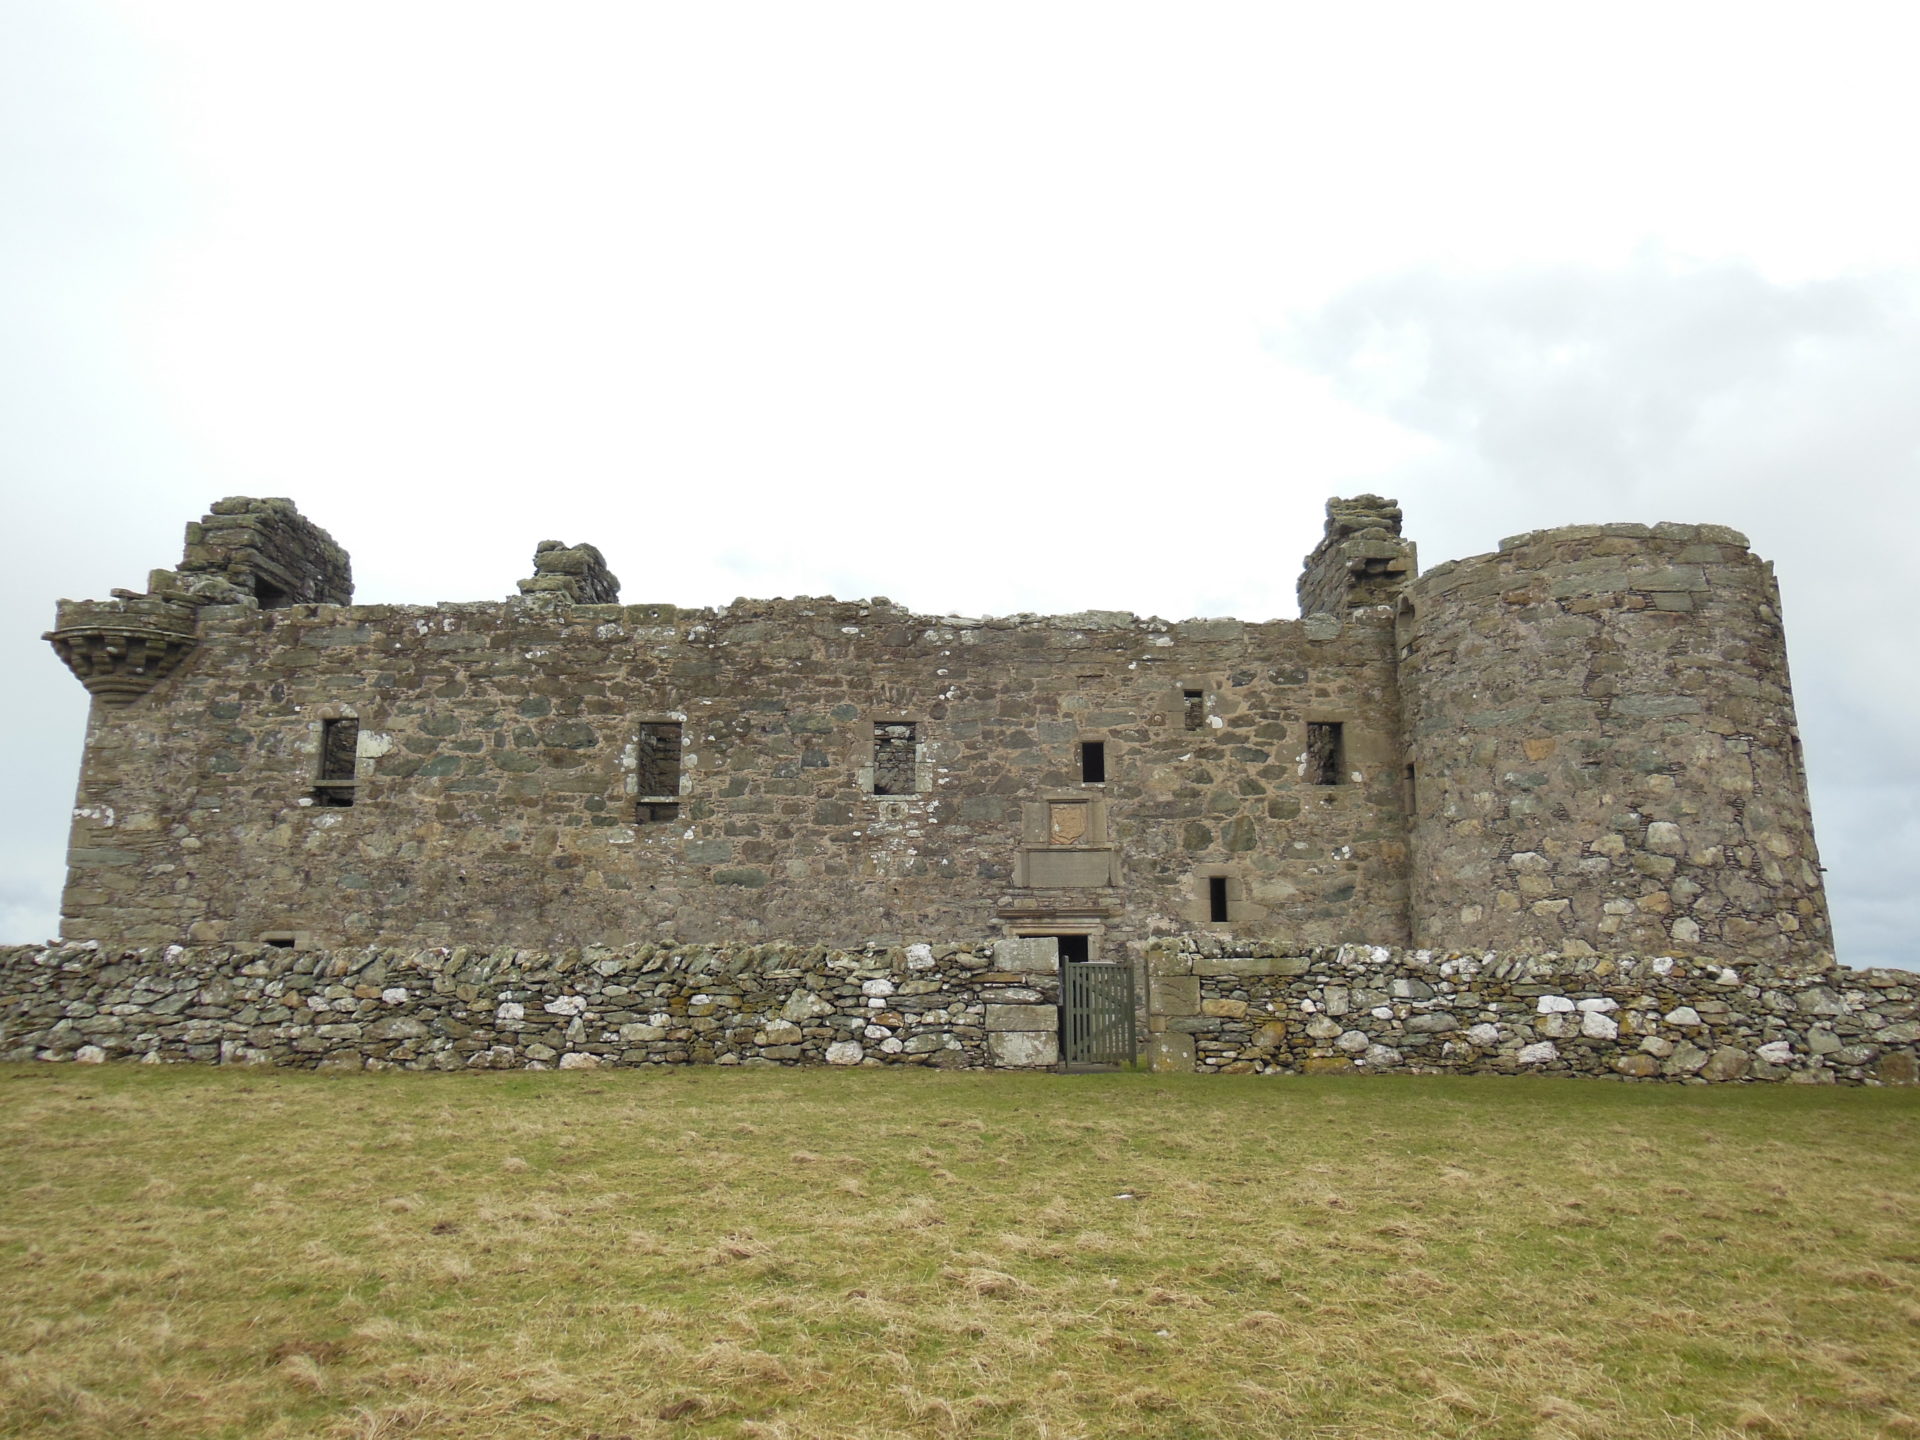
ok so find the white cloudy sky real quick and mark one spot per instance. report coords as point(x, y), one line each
point(991, 307)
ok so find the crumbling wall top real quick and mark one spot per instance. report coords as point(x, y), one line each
point(1360, 560)
point(262, 548)
point(572, 574)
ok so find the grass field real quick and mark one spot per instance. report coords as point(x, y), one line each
point(205, 1253)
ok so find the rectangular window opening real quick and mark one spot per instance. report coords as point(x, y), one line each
point(1413, 791)
point(895, 757)
point(278, 942)
point(1196, 708)
point(339, 754)
point(1216, 897)
point(1093, 762)
point(656, 765)
point(1326, 752)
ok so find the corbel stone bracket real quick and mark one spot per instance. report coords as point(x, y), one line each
point(121, 649)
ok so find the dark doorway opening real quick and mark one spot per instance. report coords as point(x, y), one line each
point(1074, 949)
point(1216, 897)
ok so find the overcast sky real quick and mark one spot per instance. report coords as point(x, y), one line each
point(986, 308)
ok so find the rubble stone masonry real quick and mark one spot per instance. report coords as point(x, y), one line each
point(1216, 1006)
point(1581, 746)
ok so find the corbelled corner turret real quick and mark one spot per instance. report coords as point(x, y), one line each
point(122, 648)
point(259, 553)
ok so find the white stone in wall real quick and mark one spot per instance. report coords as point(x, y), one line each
point(1552, 1005)
point(876, 987)
point(511, 1010)
point(1539, 1053)
point(1776, 1052)
point(919, 957)
point(1353, 1041)
point(801, 1005)
point(845, 1052)
point(1596, 1026)
point(567, 1005)
point(1483, 1035)
point(579, 1061)
point(1603, 1004)
point(1663, 838)
point(1684, 1015)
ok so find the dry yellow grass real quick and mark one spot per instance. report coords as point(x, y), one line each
point(199, 1253)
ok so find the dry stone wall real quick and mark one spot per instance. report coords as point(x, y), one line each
point(972, 1006)
point(1247, 1008)
point(1218, 1007)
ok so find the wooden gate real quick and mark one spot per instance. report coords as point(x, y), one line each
point(1096, 1014)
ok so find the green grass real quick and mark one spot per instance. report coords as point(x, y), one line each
point(790, 1253)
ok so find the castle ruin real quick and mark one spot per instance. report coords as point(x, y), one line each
point(1581, 746)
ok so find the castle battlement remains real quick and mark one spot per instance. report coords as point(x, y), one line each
point(1580, 744)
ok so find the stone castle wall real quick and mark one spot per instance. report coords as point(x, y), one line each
point(497, 778)
point(1233, 1007)
point(1601, 734)
point(1581, 744)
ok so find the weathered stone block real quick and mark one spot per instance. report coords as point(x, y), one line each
point(1173, 994)
point(1170, 1054)
point(1024, 1049)
point(1023, 1017)
point(1036, 955)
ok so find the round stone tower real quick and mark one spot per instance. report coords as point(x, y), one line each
point(1602, 750)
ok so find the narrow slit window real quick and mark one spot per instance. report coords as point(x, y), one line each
point(657, 771)
point(1093, 761)
point(1196, 708)
point(1326, 752)
point(894, 757)
point(1413, 791)
point(339, 751)
point(1216, 897)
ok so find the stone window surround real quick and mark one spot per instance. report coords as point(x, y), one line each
point(922, 761)
point(318, 718)
point(632, 765)
point(1094, 737)
point(1362, 749)
point(1241, 909)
